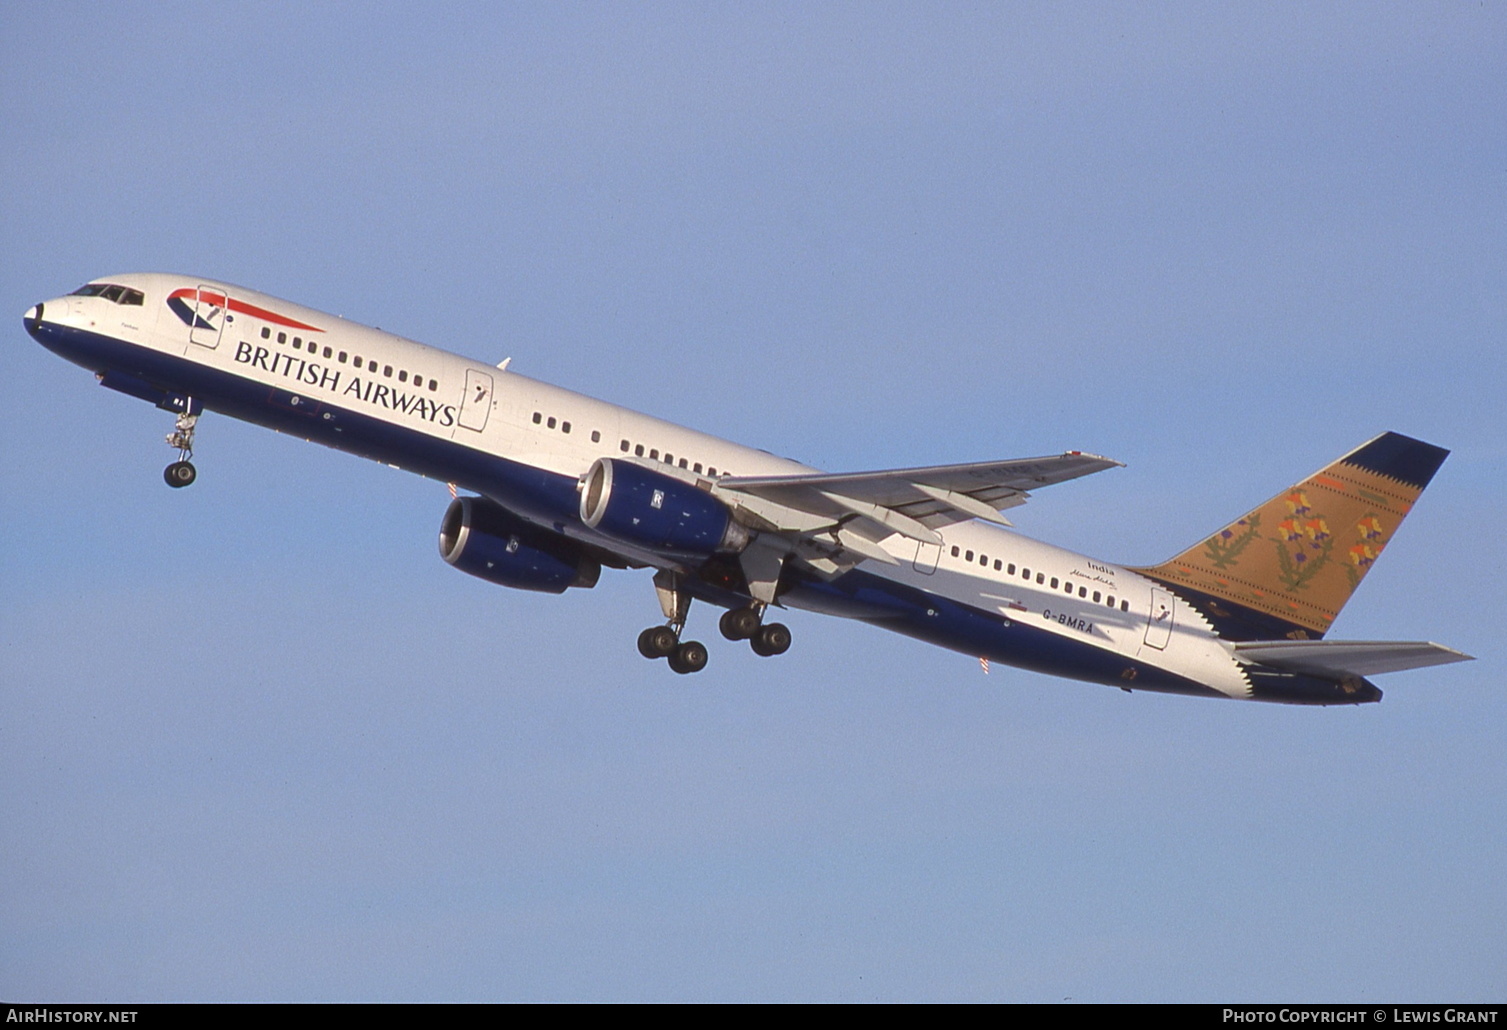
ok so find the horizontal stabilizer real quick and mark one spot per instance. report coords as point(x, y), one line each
point(1347, 657)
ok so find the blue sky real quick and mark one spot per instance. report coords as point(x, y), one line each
point(258, 742)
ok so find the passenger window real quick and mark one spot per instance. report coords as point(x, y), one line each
point(565, 427)
point(638, 450)
point(327, 354)
point(298, 343)
point(266, 333)
point(955, 550)
point(682, 463)
point(1096, 597)
point(434, 384)
point(1041, 577)
point(371, 366)
point(996, 565)
point(623, 446)
point(1124, 606)
point(1082, 591)
point(968, 556)
point(596, 437)
point(282, 337)
point(551, 422)
point(387, 371)
point(538, 418)
point(402, 376)
point(654, 454)
point(1010, 569)
point(1054, 582)
point(669, 458)
point(342, 357)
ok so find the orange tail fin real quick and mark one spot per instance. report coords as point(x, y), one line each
point(1287, 568)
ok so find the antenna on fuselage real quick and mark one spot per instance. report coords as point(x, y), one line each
point(503, 364)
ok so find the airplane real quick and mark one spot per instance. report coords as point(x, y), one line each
point(561, 485)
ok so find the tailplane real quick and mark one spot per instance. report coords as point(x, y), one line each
point(1288, 567)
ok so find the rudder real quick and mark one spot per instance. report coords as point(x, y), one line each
point(1288, 567)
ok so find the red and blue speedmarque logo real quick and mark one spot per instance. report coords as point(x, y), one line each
point(203, 308)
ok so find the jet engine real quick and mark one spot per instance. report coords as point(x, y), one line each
point(486, 540)
point(656, 512)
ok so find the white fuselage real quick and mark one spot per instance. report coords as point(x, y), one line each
point(330, 369)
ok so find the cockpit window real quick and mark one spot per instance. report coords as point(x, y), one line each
point(111, 292)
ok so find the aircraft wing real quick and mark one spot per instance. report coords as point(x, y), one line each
point(1347, 657)
point(836, 520)
point(937, 495)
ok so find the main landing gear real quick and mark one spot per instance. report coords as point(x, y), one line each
point(745, 624)
point(664, 641)
point(182, 472)
point(690, 656)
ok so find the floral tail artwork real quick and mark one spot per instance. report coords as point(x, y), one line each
point(1288, 567)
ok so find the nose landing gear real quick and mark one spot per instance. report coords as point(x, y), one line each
point(182, 472)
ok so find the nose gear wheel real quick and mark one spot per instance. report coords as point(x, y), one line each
point(182, 472)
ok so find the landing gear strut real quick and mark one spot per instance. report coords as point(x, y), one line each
point(664, 641)
point(182, 472)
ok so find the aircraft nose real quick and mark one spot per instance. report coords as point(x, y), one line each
point(32, 320)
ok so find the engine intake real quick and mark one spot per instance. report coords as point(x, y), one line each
point(484, 539)
point(656, 512)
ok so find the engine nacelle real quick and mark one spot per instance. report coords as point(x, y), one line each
point(486, 540)
point(656, 512)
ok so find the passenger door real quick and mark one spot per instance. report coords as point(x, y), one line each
point(927, 556)
point(1159, 619)
point(209, 316)
point(477, 402)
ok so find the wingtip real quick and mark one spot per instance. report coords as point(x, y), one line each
point(1110, 462)
point(1456, 656)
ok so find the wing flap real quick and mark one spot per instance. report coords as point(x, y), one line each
point(1347, 657)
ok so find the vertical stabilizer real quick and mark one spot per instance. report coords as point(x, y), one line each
point(1287, 568)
